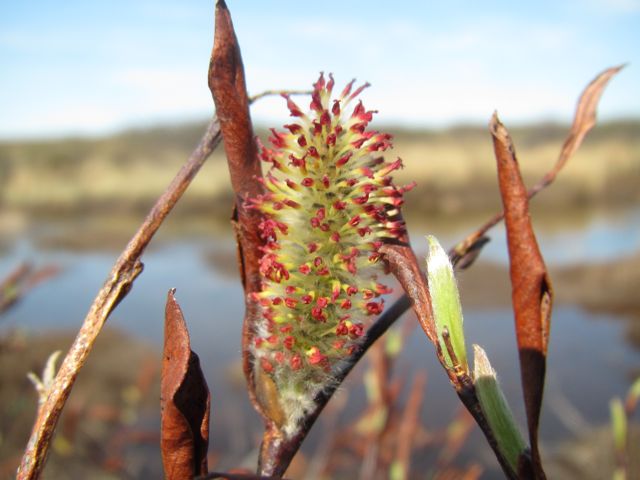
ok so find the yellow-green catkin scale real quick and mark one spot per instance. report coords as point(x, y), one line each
point(329, 206)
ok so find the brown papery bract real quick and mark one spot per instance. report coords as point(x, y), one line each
point(184, 401)
point(531, 287)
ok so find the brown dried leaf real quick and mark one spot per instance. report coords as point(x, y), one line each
point(531, 287)
point(227, 85)
point(585, 116)
point(184, 401)
point(404, 266)
point(584, 119)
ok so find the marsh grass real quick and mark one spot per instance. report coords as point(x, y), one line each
point(454, 169)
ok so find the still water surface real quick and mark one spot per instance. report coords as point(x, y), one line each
point(589, 360)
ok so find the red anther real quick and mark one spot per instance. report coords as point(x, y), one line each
point(296, 162)
point(325, 227)
point(356, 330)
point(364, 231)
point(304, 269)
point(374, 308)
point(290, 289)
point(307, 182)
point(342, 329)
point(335, 292)
point(325, 181)
point(272, 339)
point(306, 299)
point(320, 214)
point(276, 301)
point(358, 143)
point(266, 365)
point(277, 139)
point(325, 118)
point(351, 290)
point(374, 257)
point(293, 108)
point(351, 267)
point(346, 304)
point(367, 172)
point(312, 247)
point(351, 182)
point(322, 271)
point(344, 159)
point(347, 89)
point(258, 341)
point(315, 223)
point(302, 141)
point(361, 200)
point(316, 357)
point(295, 362)
point(315, 104)
point(354, 221)
point(331, 139)
point(286, 328)
point(318, 314)
point(293, 128)
point(358, 127)
point(336, 108)
point(367, 294)
point(279, 357)
point(289, 342)
point(339, 205)
point(313, 152)
point(317, 261)
point(335, 237)
point(290, 302)
point(322, 302)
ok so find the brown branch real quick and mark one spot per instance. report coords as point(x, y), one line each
point(466, 251)
point(404, 266)
point(584, 120)
point(258, 96)
point(409, 423)
point(531, 287)
point(119, 282)
point(20, 281)
point(235, 476)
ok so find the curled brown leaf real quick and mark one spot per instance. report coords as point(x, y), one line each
point(228, 88)
point(184, 400)
point(531, 287)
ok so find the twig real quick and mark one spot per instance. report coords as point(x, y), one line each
point(409, 424)
point(117, 286)
point(583, 121)
point(120, 280)
point(279, 92)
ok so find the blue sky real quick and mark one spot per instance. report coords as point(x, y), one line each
point(94, 67)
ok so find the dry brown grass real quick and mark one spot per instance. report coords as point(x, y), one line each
point(454, 169)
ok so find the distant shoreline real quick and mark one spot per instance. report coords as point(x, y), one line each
point(453, 167)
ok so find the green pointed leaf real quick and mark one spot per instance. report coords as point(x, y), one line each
point(496, 409)
point(445, 302)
